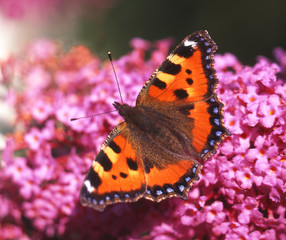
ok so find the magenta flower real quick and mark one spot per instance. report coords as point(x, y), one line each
point(215, 213)
point(241, 191)
point(42, 110)
point(244, 178)
point(269, 111)
point(34, 139)
point(18, 170)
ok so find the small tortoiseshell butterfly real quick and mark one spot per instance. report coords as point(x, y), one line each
point(177, 123)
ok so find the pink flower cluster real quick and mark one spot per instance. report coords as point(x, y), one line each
point(241, 192)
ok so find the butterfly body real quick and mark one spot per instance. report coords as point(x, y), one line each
point(177, 123)
point(160, 131)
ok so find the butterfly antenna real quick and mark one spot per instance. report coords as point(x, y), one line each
point(110, 59)
point(74, 119)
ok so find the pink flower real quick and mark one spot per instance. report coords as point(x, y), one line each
point(227, 63)
point(42, 49)
point(215, 212)
point(42, 110)
point(261, 165)
point(244, 178)
point(221, 229)
point(280, 55)
point(9, 231)
point(18, 170)
point(227, 148)
point(237, 231)
point(269, 111)
point(161, 51)
point(37, 80)
point(233, 122)
point(248, 210)
point(34, 139)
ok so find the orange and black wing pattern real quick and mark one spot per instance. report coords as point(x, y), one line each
point(116, 174)
point(185, 84)
point(207, 130)
point(182, 118)
point(173, 181)
point(186, 76)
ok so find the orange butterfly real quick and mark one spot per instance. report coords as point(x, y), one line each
point(177, 123)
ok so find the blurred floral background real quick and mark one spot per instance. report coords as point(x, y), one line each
point(53, 66)
point(246, 29)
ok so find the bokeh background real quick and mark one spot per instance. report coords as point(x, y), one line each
point(244, 28)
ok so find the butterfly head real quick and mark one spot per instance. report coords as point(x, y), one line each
point(123, 109)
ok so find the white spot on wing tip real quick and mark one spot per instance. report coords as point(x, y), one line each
point(88, 186)
point(188, 43)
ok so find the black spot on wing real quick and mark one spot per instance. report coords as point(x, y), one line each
point(114, 177)
point(170, 68)
point(188, 71)
point(159, 84)
point(181, 93)
point(189, 81)
point(93, 177)
point(114, 147)
point(104, 161)
point(123, 175)
point(184, 51)
point(132, 164)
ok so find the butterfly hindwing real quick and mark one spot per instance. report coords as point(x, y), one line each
point(208, 128)
point(116, 175)
point(174, 180)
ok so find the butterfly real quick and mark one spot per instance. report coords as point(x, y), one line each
point(177, 123)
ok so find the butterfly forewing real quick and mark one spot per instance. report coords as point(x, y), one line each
point(186, 76)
